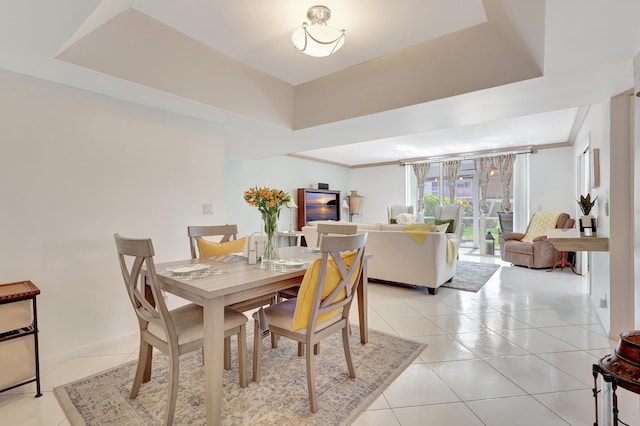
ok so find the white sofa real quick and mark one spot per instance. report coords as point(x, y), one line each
point(398, 258)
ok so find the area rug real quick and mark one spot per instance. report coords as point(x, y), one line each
point(279, 399)
point(471, 276)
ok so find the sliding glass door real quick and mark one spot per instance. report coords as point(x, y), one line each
point(437, 192)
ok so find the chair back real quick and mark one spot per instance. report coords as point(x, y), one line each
point(139, 253)
point(506, 221)
point(227, 232)
point(450, 211)
point(340, 298)
point(325, 229)
point(394, 211)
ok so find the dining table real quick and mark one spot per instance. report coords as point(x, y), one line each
point(226, 280)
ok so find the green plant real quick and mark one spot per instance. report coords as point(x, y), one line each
point(586, 204)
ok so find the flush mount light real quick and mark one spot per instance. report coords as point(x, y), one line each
point(317, 38)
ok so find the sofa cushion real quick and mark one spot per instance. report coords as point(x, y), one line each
point(369, 227)
point(451, 222)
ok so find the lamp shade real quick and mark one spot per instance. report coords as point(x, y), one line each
point(317, 39)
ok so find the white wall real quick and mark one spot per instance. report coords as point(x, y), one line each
point(77, 167)
point(552, 181)
point(381, 186)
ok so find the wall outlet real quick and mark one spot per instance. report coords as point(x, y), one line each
point(603, 302)
point(207, 208)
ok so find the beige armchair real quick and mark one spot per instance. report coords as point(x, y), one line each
point(539, 253)
point(394, 211)
point(450, 212)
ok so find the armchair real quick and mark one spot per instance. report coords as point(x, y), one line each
point(537, 253)
point(394, 211)
point(452, 213)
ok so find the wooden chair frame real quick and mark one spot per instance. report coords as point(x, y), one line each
point(151, 309)
point(227, 232)
point(331, 247)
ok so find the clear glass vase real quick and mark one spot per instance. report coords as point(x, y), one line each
point(270, 226)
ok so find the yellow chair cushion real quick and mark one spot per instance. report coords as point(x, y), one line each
point(211, 248)
point(308, 288)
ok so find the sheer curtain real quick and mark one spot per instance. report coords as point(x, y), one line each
point(505, 164)
point(421, 170)
point(451, 169)
point(483, 169)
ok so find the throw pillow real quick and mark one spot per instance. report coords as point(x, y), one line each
point(308, 288)
point(405, 219)
point(440, 228)
point(452, 224)
point(211, 248)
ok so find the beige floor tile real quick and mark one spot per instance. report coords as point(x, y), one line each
point(443, 348)
point(486, 344)
point(475, 379)
point(414, 326)
point(452, 414)
point(535, 375)
point(536, 341)
point(578, 364)
point(377, 418)
point(520, 410)
point(418, 385)
point(454, 324)
point(580, 337)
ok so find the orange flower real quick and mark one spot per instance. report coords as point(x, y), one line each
point(267, 200)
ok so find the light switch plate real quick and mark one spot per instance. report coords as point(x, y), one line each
point(207, 208)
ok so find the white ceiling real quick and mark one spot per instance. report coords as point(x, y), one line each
point(421, 78)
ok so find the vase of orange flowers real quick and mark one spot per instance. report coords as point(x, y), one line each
point(269, 202)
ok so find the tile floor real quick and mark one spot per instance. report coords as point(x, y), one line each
point(518, 352)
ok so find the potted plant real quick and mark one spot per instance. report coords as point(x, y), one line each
point(586, 220)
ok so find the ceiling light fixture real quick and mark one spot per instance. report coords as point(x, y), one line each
point(316, 38)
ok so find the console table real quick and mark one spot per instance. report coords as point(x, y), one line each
point(576, 243)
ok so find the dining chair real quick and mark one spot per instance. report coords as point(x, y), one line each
point(227, 233)
point(174, 332)
point(322, 306)
point(324, 229)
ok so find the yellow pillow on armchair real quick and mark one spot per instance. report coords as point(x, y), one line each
point(211, 248)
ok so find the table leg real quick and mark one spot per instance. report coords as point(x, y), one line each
point(363, 304)
point(563, 263)
point(213, 358)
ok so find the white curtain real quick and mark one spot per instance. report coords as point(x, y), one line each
point(451, 168)
point(483, 169)
point(421, 170)
point(505, 165)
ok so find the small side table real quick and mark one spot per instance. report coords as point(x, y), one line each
point(619, 369)
point(289, 235)
point(19, 336)
point(580, 242)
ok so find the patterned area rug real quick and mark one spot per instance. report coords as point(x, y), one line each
point(471, 276)
point(279, 399)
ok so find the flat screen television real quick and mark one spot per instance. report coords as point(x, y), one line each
point(317, 204)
